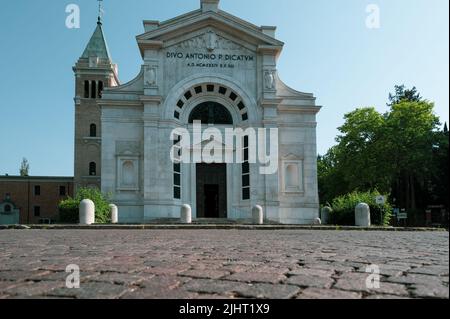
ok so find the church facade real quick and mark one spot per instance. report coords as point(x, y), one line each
point(208, 66)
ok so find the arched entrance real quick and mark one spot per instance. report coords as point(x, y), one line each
point(211, 179)
point(212, 190)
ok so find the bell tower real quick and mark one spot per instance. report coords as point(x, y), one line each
point(94, 71)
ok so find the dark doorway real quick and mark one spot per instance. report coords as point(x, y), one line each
point(211, 191)
point(211, 201)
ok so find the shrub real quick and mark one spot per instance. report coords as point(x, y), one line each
point(68, 211)
point(344, 209)
point(69, 208)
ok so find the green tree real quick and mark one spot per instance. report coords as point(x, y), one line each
point(24, 167)
point(410, 137)
point(401, 152)
point(360, 150)
point(331, 179)
point(403, 94)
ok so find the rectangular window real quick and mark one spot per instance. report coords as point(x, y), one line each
point(62, 190)
point(246, 171)
point(37, 190)
point(37, 211)
point(246, 193)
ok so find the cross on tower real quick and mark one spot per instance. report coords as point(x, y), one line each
point(100, 11)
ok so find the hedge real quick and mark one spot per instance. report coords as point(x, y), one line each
point(344, 209)
point(69, 208)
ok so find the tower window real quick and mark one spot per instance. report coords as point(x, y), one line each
point(100, 89)
point(37, 190)
point(86, 89)
point(92, 169)
point(93, 89)
point(93, 130)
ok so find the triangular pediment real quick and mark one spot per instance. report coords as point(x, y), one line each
point(230, 28)
point(209, 39)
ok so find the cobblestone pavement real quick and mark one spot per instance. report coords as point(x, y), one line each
point(200, 264)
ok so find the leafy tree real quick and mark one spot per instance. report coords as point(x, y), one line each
point(411, 129)
point(331, 179)
point(359, 151)
point(401, 152)
point(402, 94)
point(24, 167)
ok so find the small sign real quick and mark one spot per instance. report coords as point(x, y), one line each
point(380, 200)
point(402, 215)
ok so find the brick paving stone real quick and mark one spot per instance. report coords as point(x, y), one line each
point(202, 264)
point(206, 274)
point(310, 281)
point(167, 270)
point(267, 291)
point(91, 290)
point(120, 278)
point(312, 272)
point(257, 277)
point(416, 279)
point(317, 293)
point(388, 297)
point(210, 286)
point(357, 282)
point(37, 289)
point(431, 270)
point(430, 291)
point(21, 275)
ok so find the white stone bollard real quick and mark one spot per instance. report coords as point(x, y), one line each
point(114, 214)
point(258, 215)
point(325, 214)
point(87, 212)
point(186, 214)
point(317, 221)
point(362, 215)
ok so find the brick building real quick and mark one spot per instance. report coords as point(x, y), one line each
point(32, 200)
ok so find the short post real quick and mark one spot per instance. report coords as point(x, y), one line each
point(186, 214)
point(258, 215)
point(325, 214)
point(362, 215)
point(317, 221)
point(87, 212)
point(114, 214)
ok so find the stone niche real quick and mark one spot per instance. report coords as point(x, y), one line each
point(128, 155)
point(292, 172)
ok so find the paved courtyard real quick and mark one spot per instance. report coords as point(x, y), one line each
point(200, 264)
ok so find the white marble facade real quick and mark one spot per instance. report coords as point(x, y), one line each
point(207, 55)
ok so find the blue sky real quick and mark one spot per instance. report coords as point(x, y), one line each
point(328, 51)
